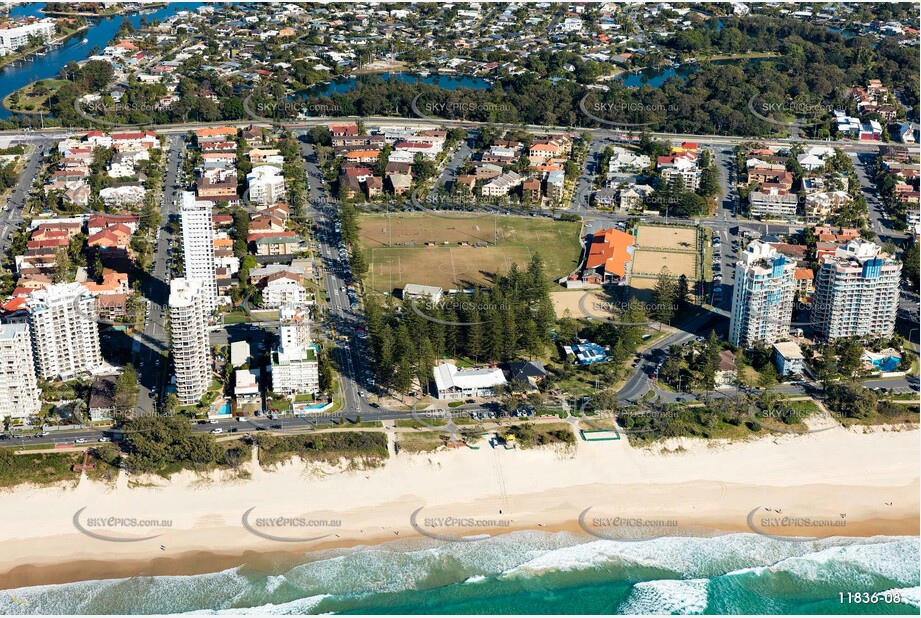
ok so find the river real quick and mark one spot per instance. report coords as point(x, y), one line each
point(100, 33)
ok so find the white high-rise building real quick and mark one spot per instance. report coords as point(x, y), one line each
point(295, 365)
point(189, 339)
point(856, 292)
point(19, 394)
point(762, 299)
point(65, 332)
point(198, 246)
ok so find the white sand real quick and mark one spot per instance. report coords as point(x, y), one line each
point(838, 471)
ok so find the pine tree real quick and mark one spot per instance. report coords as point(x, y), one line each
point(664, 296)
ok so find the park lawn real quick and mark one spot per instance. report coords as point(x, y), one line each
point(28, 101)
point(398, 253)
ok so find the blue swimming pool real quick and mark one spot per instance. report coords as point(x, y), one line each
point(887, 363)
point(223, 409)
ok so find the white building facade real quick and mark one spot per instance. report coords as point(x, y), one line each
point(189, 339)
point(65, 332)
point(295, 364)
point(198, 246)
point(266, 185)
point(19, 393)
point(762, 298)
point(856, 292)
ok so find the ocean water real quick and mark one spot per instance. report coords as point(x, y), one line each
point(522, 573)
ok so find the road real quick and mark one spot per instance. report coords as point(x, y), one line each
point(345, 318)
point(151, 347)
point(56, 134)
point(11, 216)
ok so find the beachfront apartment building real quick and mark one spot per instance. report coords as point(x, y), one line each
point(266, 185)
point(762, 298)
point(198, 246)
point(295, 363)
point(65, 332)
point(189, 334)
point(856, 292)
point(19, 394)
point(15, 35)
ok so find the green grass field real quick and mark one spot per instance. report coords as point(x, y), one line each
point(429, 250)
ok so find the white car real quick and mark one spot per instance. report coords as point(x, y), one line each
point(242, 419)
point(104, 439)
point(80, 441)
point(213, 421)
point(217, 431)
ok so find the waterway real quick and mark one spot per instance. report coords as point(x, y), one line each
point(448, 82)
point(99, 34)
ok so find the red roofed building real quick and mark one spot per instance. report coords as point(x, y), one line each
point(48, 243)
point(114, 237)
point(342, 130)
point(804, 282)
point(609, 254)
point(99, 222)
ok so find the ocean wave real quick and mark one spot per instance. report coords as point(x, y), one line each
point(656, 575)
point(167, 593)
point(909, 596)
point(291, 608)
point(667, 596)
point(859, 563)
point(418, 564)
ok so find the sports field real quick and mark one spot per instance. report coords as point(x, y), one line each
point(658, 247)
point(661, 237)
point(430, 250)
point(652, 262)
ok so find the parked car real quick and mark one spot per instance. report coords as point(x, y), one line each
point(217, 431)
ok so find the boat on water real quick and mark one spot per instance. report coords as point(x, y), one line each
point(85, 41)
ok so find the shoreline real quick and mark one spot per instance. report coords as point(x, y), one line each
point(706, 489)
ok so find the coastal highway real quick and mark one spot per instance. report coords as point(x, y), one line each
point(293, 425)
point(598, 133)
point(152, 344)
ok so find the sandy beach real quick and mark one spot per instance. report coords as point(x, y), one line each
point(858, 483)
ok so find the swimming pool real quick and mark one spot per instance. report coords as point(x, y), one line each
point(222, 410)
point(887, 364)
